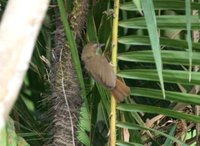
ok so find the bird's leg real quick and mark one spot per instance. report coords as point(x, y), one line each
point(112, 64)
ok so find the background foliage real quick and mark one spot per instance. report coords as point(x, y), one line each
point(163, 106)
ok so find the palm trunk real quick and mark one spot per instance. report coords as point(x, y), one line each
point(65, 99)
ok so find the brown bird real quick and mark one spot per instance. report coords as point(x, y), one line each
point(102, 71)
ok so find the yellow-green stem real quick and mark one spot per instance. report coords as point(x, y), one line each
point(114, 62)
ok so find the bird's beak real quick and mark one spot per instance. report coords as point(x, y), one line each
point(100, 45)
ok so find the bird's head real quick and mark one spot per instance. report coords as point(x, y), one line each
point(91, 49)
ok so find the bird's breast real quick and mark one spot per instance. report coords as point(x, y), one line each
point(101, 71)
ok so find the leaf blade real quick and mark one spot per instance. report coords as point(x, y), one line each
point(150, 17)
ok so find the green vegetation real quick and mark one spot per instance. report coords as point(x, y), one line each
point(158, 57)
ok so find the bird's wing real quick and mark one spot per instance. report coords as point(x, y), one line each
point(101, 71)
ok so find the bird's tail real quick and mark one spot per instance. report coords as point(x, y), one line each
point(120, 91)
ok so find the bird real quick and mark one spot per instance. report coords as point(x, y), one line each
point(102, 71)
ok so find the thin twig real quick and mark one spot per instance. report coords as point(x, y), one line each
point(67, 103)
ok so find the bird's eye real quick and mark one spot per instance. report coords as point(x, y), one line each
point(96, 45)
